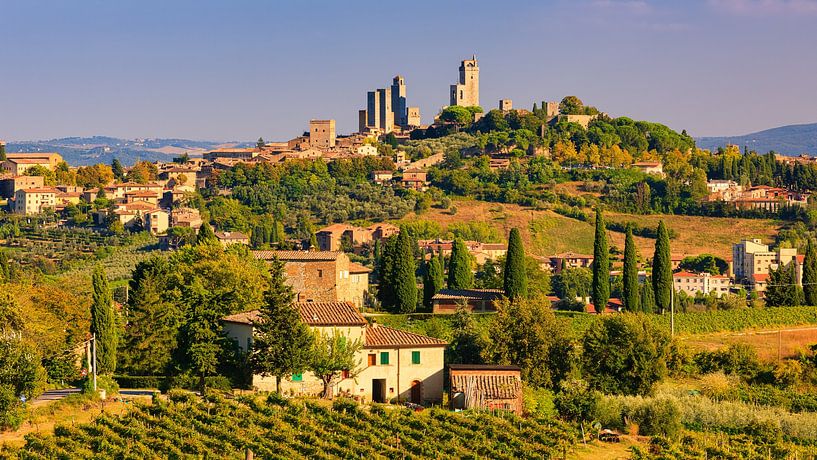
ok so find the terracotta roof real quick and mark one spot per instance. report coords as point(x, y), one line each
point(355, 267)
point(231, 236)
point(571, 255)
point(141, 193)
point(647, 163)
point(469, 294)
point(297, 255)
point(760, 277)
point(29, 161)
point(41, 190)
point(337, 228)
point(686, 275)
point(313, 314)
point(483, 367)
point(382, 336)
point(488, 386)
point(139, 206)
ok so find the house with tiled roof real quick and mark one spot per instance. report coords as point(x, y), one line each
point(704, 283)
point(228, 238)
point(394, 364)
point(485, 387)
point(320, 276)
point(476, 300)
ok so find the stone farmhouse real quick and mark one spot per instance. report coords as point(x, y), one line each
point(332, 238)
point(394, 364)
point(475, 300)
point(322, 276)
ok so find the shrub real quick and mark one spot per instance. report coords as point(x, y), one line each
point(275, 399)
point(538, 402)
point(181, 396)
point(657, 417)
point(142, 381)
point(717, 385)
point(11, 414)
point(788, 373)
point(103, 382)
point(575, 400)
point(345, 405)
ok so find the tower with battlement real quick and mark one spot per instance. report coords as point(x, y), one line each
point(466, 91)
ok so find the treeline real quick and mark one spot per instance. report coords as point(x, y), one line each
point(621, 227)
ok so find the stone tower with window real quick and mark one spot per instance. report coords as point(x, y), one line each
point(466, 91)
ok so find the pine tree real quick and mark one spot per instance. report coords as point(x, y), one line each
point(118, 170)
point(260, 144)
point(432, 280)
point(403, 275)
point(630, 296)
point(516, 277)
point(662, 269)
point(647, 298)
point(601, 265)
point(810, 274)
point(103, 322)
point(281, 341)
point(2, 151)
point(206, 234)
point(460, 275)
point(782, 289)
point(385, 275)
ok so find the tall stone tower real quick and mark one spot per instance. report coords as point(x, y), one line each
point(398, 100)
point(466, 91)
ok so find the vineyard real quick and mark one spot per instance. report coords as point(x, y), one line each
point(222, 428)
point(698, 445)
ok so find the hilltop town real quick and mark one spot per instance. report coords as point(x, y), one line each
point(557, 264)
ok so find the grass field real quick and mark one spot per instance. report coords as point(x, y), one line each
point(547, 233)
point(770, 344)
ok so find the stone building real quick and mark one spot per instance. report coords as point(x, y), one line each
point(398, 101)
point(10, 185)
point(35, 200)
point(230, 238)
point(394, 364)
point(705, 283)
point(318, 276)
point(322, 134)
point(475, 300)
point(752, 260)
point(505, 105)
point(466, 91)
point(413, 117)
point(18, 163)
point(379, 112)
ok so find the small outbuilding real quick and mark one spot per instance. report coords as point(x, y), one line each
point(485, 387)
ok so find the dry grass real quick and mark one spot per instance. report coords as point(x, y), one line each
point(597, 450)
point(547, 233)
point(789, 342)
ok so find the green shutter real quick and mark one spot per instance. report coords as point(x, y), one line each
point(415, 357)
point(297, 377)
point(384, 358)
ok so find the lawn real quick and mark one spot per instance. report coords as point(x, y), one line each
point(546, 233)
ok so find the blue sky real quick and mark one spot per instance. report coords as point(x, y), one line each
point(225, 70)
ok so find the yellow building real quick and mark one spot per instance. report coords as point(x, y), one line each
point(394, 364)
point(35, 200)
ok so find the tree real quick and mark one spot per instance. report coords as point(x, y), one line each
point(460, 275)
point(571, 105)
point(403, 279)
point(103, 322)
point(515, 276)
point(117, 169)
point(2, 151)
point(282, 343)
point(332, 357)
point(95, 176)
point(468, 343)
point(21, 374)
point(528, 334)
point(630, 296)
point(782, 289)
point(432, 280)
point(457, 114)
point(206, 234)
point(601, 265)
point(646, 298)
point(625, 354)
point(810, 274)
point(662, 269)
point(260, 144)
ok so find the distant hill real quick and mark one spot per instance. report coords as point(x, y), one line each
point(78, 151)
point(787, 140)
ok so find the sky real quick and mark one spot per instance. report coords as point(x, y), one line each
point(237, 70)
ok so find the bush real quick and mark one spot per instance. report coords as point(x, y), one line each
point(575, 400)
point(538, 402)
point(657, 417)
point(788, 373)
point(345, 405)
point(736, 359)
point(103, 382)
point(11, 414)
point(275, 399)
point(142, 381)
point(181, 396)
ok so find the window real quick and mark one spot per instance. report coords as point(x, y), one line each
point(297, 377)
point(415, 357)
point(384, 358)
point(372, 359)
point(320, 273)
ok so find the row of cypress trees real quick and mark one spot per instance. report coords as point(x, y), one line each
point(653, 296)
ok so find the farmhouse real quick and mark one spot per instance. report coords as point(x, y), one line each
point(478, 386)
point(476, 300)
point(394, 364)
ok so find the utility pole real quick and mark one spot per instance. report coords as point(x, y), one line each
point(94, 349)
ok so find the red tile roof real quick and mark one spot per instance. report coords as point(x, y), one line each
point(231, 236)
point(386, 337)
point(313, 314)
point(355, 267)
point(469, 294)
point(760, 277)
point(297, 255)
point(488, 386)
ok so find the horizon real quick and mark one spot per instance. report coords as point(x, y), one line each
point(156, 70)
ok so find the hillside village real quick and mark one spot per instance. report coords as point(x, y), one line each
point(322, 246)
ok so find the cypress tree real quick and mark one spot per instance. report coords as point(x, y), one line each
point(460, 275)
point(403, 276)
point(630, 296)
point(282, 342)
point(117, 169)
point(103, 322)
point(662, 269)
point(206, 234)
point(810, 274)
point(385, 275)
point(432, 280)
point(647, 298)
point(516, 278)
point(601, 265)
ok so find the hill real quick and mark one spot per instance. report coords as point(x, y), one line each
point(78, 151)
point(787, 140)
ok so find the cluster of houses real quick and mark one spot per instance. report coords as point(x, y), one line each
point(760, 197)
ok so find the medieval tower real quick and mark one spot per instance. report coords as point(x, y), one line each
point(466, 92)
